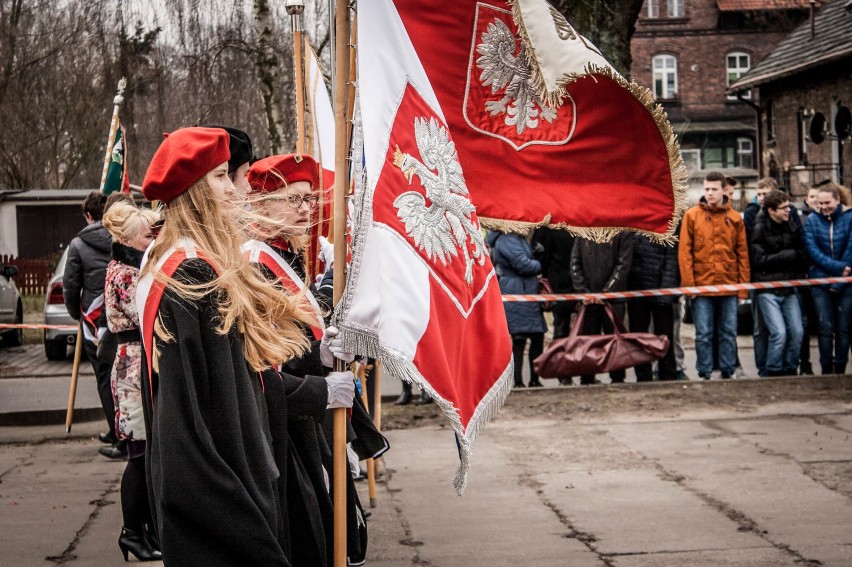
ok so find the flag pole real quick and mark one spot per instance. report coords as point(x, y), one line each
point(78, 344)
point(296, 8)
point(113, 128)
point(341, 185)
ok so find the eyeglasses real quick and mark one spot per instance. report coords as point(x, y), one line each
point(295, 201)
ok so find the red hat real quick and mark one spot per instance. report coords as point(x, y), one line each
point(272, 173)
point(184, 157)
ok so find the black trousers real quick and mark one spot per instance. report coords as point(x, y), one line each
point(562, 312)
point(102, 357)
point(642, 312)
point(519, 343)
point(596, 322)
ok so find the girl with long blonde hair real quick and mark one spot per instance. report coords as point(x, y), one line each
point(210, 324)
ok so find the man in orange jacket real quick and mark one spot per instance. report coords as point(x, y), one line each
point(713, 250)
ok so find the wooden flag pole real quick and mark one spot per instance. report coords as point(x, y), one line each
point(363, 373)
point(75, 373)
point(78, 346)
point(113, 128)
point(295, 10)
point(341, 185)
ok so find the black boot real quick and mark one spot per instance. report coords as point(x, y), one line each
point(405, 397)
point(424, 398)
point(137, 544)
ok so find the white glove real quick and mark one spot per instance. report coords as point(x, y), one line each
point(341, 389)
point(331, 347)
point(326, 252)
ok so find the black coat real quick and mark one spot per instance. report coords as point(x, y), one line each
point(654, 266)
point(85, 269)
point(777, 250)
point(556, 259)
point(211, 465)
point(597, 267)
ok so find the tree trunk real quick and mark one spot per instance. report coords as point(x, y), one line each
point(609, 24)
point(269, 74)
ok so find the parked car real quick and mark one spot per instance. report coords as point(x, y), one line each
point(56, 342)
point(11, 307)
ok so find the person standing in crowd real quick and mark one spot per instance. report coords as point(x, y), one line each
point(517, 269)
point(83, 290)
point(556, 267)
point(806, 303)
point(283, 193)
point(597, 267)
point(760, 334)
point(654, 266)
point(210, 324)
point(778, 254)
point(131, 233)
point(827, 240)
point(713, 250)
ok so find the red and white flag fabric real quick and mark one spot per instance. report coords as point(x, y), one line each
point(319, 145)
point(546, 131)
point(422, 295)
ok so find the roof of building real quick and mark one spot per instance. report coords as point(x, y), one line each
point(754, 5)
point(799, 52)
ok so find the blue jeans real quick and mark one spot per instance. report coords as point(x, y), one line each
point(782, 318)
point(760, 335)
point(708, 313)
point(834, 309)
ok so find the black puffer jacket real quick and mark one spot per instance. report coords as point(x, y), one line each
point(85, 269)
point(602, 267)
point(777, 250)
point(654, 266)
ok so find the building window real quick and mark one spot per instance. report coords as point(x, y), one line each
point(738, 65)
point(745, 153)
point(691, 159)
point(653, 8)
point(675, 8)
point(665, 76)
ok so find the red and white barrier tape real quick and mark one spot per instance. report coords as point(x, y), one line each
point(27, 326)
point(694, 290)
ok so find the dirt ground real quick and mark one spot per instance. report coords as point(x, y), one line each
point(641, 401)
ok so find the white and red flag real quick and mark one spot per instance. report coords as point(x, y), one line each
point(320, 146)
point(546, 130)
point(422, 295)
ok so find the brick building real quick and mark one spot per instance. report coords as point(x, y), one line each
point(805, 89)
point(688, 52)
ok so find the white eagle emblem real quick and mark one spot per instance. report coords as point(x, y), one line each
point(501, 69)
point(445, 226)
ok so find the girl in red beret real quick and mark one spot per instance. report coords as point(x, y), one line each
point(210, 326)
point(281, 199)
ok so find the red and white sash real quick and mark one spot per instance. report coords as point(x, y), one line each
point(258, 252)
point(90, 318)
point(149, 293)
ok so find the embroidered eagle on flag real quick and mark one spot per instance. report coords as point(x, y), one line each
point(445, 226)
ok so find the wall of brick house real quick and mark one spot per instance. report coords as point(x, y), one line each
point(818, 90)
point(701, 50)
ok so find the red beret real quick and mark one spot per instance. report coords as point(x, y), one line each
point(270, 174)
point(184, 157)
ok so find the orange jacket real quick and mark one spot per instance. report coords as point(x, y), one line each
point(713, 248)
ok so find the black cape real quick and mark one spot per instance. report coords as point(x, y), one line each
point(212, 474)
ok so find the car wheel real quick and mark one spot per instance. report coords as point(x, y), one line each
point(55, 350)
point(15, 337)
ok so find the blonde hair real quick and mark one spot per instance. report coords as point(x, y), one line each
point(265, 316)
point(125, 221)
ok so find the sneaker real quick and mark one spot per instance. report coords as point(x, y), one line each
point(726, 376)
point(682, 376)
point(739, 373)
point(703, 376)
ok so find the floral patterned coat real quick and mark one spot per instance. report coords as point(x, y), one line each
point(120, 301)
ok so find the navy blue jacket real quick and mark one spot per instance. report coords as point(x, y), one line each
point(516, 270)
point(827, 241)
